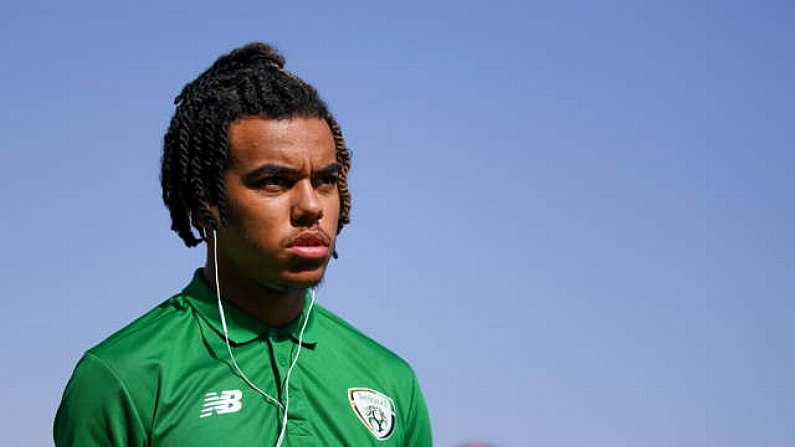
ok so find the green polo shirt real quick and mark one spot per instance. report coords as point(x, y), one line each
point(167, 380)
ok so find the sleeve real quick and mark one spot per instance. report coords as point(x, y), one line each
point(97, 410)
point(418, 423)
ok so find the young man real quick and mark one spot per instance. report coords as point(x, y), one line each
point(254, 162)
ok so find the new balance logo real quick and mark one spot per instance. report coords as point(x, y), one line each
point(225, 402)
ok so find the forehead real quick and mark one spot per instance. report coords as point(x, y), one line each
point(300, 142)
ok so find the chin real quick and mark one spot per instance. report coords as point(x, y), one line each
point(304, 279)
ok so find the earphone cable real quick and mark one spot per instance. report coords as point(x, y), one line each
point(292, 365)
point(245, 378)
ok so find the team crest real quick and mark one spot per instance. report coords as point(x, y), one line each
point(375, 410)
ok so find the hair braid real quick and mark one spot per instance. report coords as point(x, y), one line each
point(248, 81)
point(344, 160)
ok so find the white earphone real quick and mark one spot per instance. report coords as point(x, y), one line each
point(285, 407)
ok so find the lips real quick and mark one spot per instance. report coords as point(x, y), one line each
point(311, 245)
point(309, 239)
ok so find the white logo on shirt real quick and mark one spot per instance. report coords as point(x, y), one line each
point(225, 402)
point(375, 410)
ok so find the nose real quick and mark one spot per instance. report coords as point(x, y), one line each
point(307, 208)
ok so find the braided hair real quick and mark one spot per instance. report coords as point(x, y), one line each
point(248, 81)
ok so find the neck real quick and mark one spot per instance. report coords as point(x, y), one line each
point(276, 307)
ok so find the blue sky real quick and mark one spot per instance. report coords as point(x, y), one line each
point(574, 219)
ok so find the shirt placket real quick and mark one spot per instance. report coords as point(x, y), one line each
point(283, 348)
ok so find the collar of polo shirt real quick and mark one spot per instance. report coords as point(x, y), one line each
point(242, 327)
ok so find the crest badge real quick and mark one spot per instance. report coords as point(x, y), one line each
point(375, 410)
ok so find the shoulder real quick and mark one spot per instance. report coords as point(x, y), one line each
point(118, 377)
point(136, 355)
point(140, 337)
point(333, 325)
point(102, 403)
point(348, 341)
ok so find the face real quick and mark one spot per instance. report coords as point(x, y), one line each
point(282, 201)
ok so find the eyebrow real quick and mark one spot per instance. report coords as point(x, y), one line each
point(328, 170)
point(276, 169)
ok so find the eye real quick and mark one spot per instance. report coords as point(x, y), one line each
point(274, 182)
point(327, 179)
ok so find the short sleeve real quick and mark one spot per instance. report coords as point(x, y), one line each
point(418, 423)
point(96, 409)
